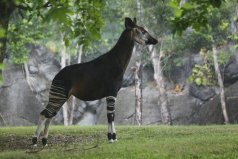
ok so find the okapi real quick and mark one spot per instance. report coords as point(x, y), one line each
point(99, 78)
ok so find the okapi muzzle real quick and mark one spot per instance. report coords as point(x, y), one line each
point(151, 40)
point(93, 80)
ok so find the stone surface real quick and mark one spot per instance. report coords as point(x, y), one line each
point(185, 109)
point(21, 101)
point(202, 93)
point(231, 71)
point(125, 107)
point(211, 113)
point(18, 104)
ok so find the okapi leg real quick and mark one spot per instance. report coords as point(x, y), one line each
point(110, 116)
point(57, 97)
point(46, 131)
point(41, 122)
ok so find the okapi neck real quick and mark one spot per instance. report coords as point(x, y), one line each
point(124, 48)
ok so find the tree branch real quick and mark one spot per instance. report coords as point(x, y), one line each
point(27, 7)
point(46, 5)
point(22, 7)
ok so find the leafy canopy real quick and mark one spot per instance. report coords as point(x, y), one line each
point(79, 21)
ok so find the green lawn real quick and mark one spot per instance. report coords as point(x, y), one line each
point(133, 142)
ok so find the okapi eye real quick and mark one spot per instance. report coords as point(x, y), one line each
point(137, 31)
point(142, 31)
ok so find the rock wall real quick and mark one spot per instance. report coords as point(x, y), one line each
point(22, 100)
point(185, 108)
point(18, 104)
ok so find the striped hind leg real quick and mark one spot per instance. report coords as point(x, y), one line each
point(41, 122)
point(57, 97)
point(46, 131)
point(110, 116)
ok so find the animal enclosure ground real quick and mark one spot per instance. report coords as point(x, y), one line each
point(133, 142)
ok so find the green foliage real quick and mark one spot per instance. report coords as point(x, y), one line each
point(202, 75)
point(190, 42)
point(171, 62)
point(223, 57)
point(2, 66)
point(22, 33)
point(193, 13)
point(2, 32)
point(156, 15)
point(80, 20)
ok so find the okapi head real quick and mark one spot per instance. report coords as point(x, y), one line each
point(140, 35)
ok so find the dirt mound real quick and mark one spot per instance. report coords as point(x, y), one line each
point(65, 142)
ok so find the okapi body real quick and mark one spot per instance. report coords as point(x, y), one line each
point(99, 78)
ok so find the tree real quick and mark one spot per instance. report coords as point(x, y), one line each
point(193, 13)
point(6, 7)
point(79, 21)
point(196, 14)
point(158, 20)
point(138, 73)
point(84, 28)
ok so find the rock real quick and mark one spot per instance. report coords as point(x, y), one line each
point(185, 109)
point(231, 71)
point(180, 74)
point(202, 93)
point(18, 104)
point(42, 69)
point(125, 107)
point(182, 106)
point(33, 69)
point(211, 113)
point(21, 101)
point(87, 119)
point(89, 112)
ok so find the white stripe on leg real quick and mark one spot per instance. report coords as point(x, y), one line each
point(46, 130)
point(109, 128)
point(41, 121)
point(110, 131)
point(113, 130)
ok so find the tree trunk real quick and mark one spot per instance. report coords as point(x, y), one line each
point(221, 86)
point(71, 102)
point(138, 94)
point(234, 23)
point(6, 9)
point(80, 52)
point(29, 82)
point(158, 76)
point(27, 73)
point(71, 106)
point(63, 64)
point(182, 2)
point(138, 77)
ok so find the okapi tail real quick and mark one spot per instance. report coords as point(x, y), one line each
point(57, 97)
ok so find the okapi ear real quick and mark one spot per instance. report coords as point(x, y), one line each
point(129, 24)
point(134, 20)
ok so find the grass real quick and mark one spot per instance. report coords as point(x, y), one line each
point(159, 142)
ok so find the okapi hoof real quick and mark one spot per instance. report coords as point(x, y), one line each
point(114, 137)
point(34, 141)
point(111, 137)
point(44, 141)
